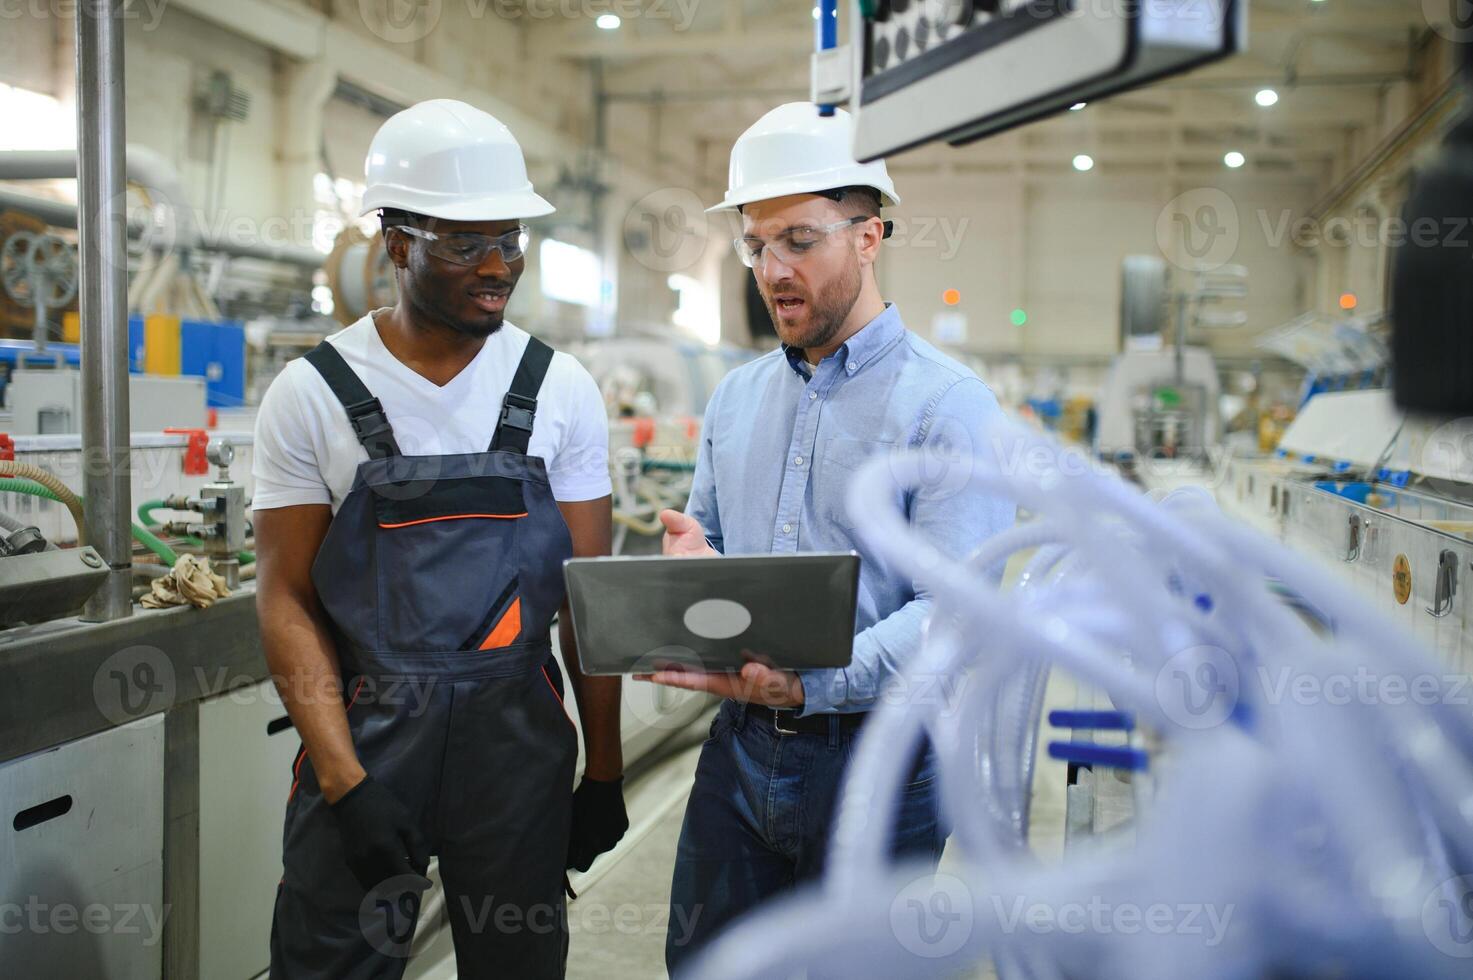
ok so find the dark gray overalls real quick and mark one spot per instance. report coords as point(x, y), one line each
point(441, 576)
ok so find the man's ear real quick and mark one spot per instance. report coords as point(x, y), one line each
point(396, 243)
point(871, 235)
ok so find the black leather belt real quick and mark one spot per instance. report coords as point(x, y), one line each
point(787, 722)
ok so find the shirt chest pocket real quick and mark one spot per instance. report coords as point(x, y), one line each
point(841, 460)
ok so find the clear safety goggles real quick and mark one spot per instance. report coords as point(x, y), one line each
point(470, 248)
point(793, 245)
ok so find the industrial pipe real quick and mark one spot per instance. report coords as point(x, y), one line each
point(144, 168)
point(104, 301)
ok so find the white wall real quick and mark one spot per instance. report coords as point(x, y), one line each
point(1054, 247)
point(164, 67)
point(28, 53)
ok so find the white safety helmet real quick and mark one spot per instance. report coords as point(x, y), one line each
point(447, 159)
point(794, 150)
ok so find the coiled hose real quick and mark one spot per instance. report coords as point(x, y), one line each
point(59, 491)
point(142, 535)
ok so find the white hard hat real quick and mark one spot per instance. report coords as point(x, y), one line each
point(794, 150)
point(450, 160)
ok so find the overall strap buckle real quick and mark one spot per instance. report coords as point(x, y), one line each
point(365, 413)
point(519, 408)
point(518, 412)
point(368, 420)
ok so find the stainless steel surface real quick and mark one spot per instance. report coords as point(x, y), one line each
point(244, 777)
point(1402, 549)
point(34, 588)
point(81, 846)
point(104, 305)
point(222, 506)
point(67, 678)
point(181, 949)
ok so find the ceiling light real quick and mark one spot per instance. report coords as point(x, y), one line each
point(1266, 97)
point(1084, 162)
point(608, 22)
point(1077, 106)
point(1235, 159)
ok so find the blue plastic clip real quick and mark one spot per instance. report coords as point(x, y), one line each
point(1341, 466)
point(1108, 756)
point(1116, 721)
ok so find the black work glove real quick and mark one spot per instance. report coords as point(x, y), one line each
point(380, 840)
point(599, 820)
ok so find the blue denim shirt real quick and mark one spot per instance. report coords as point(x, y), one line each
point(781, 443)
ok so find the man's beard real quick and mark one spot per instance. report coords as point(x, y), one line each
point(430, 311)
point(826, 311)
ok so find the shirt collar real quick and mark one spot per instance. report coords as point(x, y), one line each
point(871, 340)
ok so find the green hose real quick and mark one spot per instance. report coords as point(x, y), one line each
point(145, 514)
point(670, 465)
point(142, 535)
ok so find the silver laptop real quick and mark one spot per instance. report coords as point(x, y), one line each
point(637, 615)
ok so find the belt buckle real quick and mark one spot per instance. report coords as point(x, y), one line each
point(777, 723)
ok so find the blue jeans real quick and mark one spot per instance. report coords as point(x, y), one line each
point(758, 821)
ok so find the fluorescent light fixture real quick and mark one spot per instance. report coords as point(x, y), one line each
point(1084, 163)
point(568, 273)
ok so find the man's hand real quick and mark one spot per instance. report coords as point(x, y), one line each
point(380, 840)
point(684, 536)
point(599, 820)
point(757, 683)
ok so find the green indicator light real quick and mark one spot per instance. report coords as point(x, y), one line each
point(1020, 317)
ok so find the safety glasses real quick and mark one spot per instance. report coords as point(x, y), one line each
point(469, 248)
point(791, 246)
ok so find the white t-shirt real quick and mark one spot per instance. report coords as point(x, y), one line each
point(306, 452)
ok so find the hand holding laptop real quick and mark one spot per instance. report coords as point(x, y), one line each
point(684, 536)
point(756, 683)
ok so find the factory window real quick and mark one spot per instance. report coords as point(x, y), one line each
point(338, 202)
point(34, 121)
point(569, 273)
point(695, 310)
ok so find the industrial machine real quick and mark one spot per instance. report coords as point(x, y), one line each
point(1160, 402)
point(39, 271)
point(1383, 500)
point(41, 402)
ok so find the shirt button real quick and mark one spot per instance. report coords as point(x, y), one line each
point(797, 460)
point(787, 529)
point(852, 367)
point(812, 395)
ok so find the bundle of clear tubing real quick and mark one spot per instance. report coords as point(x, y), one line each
point(1283, 833)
